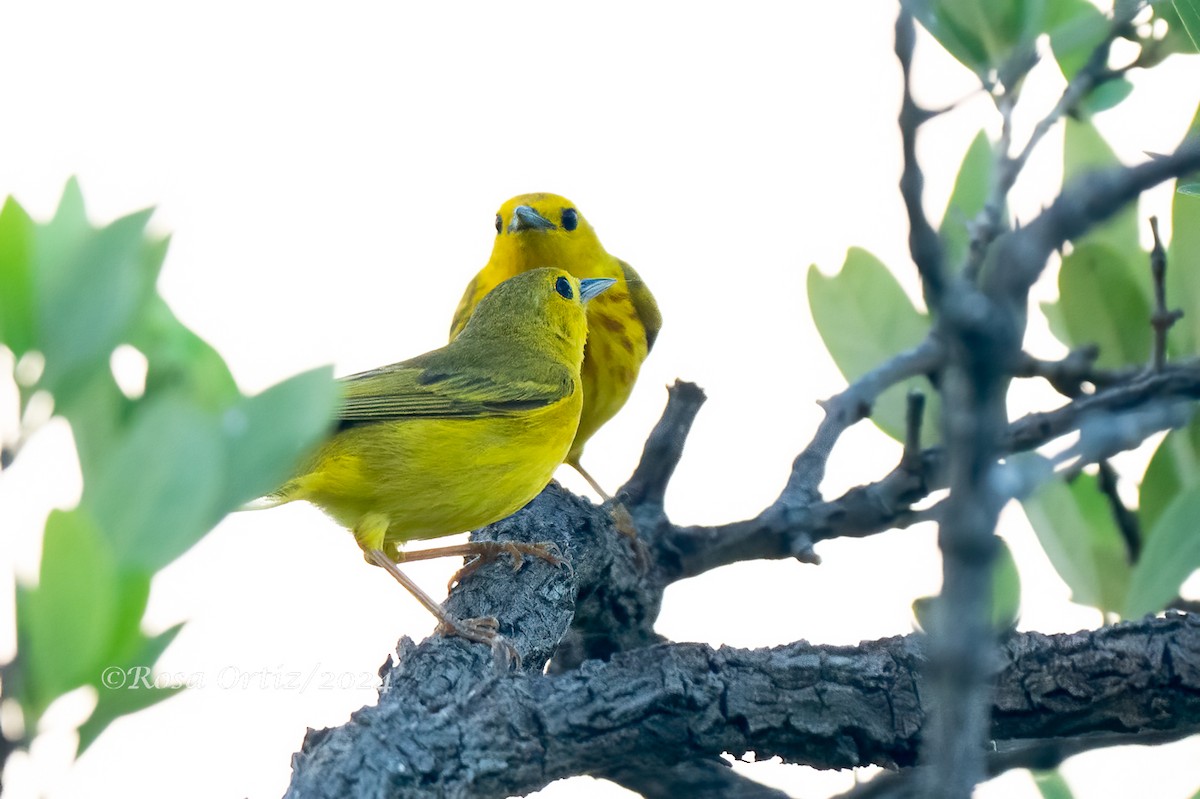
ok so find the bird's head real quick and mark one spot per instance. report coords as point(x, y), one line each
point(535, 230)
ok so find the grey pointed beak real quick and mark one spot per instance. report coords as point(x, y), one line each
point(525, 218)
point(591, 286)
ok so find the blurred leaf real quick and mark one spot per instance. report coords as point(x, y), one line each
point(267, 434)
point(1107, 95)
point(865, 318)
point(1076, 28)
point(1102, 304)
point(981, 34)
point(171, 458)
point(180, 360)
point(96, 410)
point(1176, 39)
point(1052, 784)
point(1191, 189)
point(1183, 266)
point(1085, 150)
point(16, 279)
point(126, 639)
point(67, 617)
point(1171, 554)
point(1174, 467)
point(89, 285)
point(127, 686)
point(1006, 589)
point(1057, 320)
point(960, 42)
point(971, 189)
point(1075, 526)
point(1189, 15)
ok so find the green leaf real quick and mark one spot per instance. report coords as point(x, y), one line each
point(67, 618)
point(1189, 15)
point(97, 411)
point(1102, 304)
point(1076, 28)
point(180, 360)
point(1171, 554)
point(89, 286)
point(1074, 524)
point(1174, 468)
point(1176, 39)
point(960, 42)
point(267, 434)
point(16, 279)
point(1183, 265)
point(127, 686)
point(981, 34)
point(1006, 589)
point(1107, 95)
point(971, 189)
point(1052, 784)
point(1085, 150)
point(865, 318)
point(159, 489)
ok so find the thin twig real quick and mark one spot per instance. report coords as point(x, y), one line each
point(847, 408)
point(923, 241)
point(1126, 520)
point(914, 415)
point(1162, 319)
point(1007, 168)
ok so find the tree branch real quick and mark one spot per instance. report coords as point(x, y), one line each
point(447, 724)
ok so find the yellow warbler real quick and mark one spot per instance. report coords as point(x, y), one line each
point(536, 230)
point(458, 437)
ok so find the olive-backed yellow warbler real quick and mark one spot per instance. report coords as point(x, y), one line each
point(458, 437)
point(537, 230)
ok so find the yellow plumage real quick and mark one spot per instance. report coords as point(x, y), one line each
point(461, 436)
point(537, 230)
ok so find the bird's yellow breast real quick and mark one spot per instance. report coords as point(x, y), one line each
point(439, 476)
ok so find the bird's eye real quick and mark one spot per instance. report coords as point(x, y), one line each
point(563, 287)
point(499, 223)
point(570, 219)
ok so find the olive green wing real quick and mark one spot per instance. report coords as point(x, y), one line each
point(428, 387)
point(643, 303)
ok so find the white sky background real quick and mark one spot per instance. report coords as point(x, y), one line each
point(330, 176)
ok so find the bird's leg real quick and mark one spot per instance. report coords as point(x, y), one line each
point(370, 534)
point(620, 514)
point(482, 552)
point(487, 551)
point(482, 630)
point(577, 466)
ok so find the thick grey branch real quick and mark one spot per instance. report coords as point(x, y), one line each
point(447, 724)
point(1020, 257)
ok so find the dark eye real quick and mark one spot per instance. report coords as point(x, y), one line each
point(563, 287)
point(570, 219)
point(499, 223)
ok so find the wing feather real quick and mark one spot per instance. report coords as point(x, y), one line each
point(422, 390)
point(643, 303)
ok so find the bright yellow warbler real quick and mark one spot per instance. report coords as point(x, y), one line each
point(537, 230)
point(458, 437)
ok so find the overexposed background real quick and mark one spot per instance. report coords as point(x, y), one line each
point(330, 176)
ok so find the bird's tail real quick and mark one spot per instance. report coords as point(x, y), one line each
point(269, 501)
